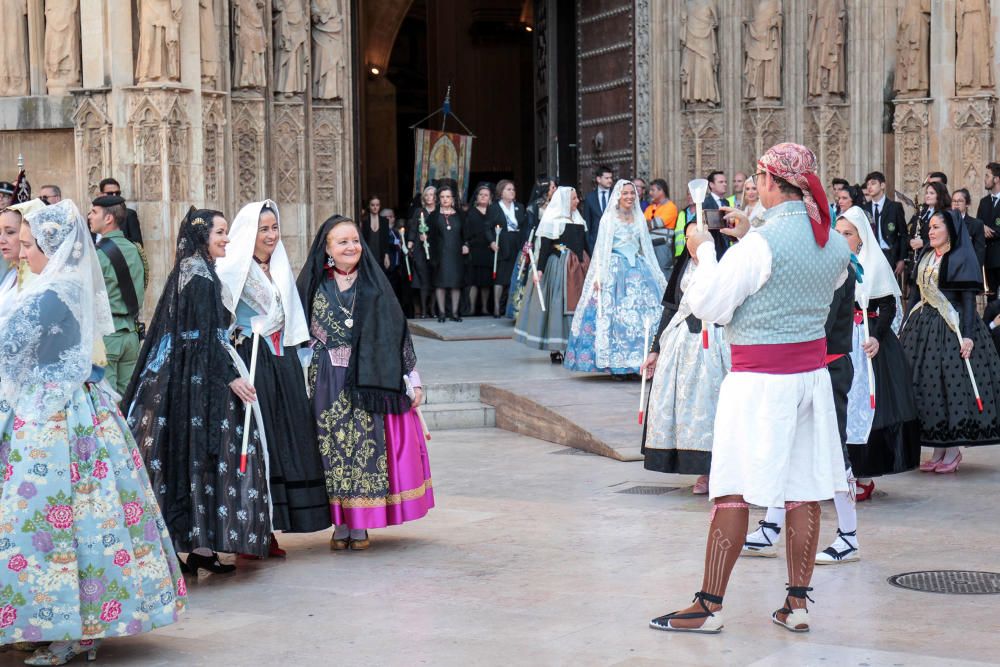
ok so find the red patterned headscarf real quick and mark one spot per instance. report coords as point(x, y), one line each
point(797, 165)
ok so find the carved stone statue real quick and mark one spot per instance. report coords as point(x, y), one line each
point(328, 48)
point(827, 33)
point(974, 49)
point(14, 48)
point(291, 39)
point(700, 54)
point(62, 45)
point(159, 41)
point(251, 44)
point(913, 43)
point(209, 43)
point(762, 69)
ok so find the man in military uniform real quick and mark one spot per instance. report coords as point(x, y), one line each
point(125, 278)
point(6, 194)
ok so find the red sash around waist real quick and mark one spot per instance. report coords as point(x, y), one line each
point(781, 358)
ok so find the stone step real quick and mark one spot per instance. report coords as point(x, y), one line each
point(457, 392)
point(447, 416)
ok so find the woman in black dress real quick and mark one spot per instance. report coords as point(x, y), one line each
point(447, 251)
point(941, 331)
point(478, 229)
point(418, 244)
point(185, 406)
point(375, 229)
point(512, 220)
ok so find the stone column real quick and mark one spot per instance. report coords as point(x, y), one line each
point(871, 57)
point(942, 80)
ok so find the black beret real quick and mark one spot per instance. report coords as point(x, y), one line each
point(108, 200)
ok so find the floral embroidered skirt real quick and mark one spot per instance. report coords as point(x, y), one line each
point(84, 552)
point(377, 470)
point(630, 296)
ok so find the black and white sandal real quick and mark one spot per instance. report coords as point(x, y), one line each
point(834, 556)
point(762, 547)
point(713, 619)
point(796, 620)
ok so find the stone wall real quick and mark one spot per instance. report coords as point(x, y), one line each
point(867, 84)
point(147, 91)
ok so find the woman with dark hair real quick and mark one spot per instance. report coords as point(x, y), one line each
point(683, 396)
point(259, 293)
point(376, 230)
point(418, 244)
point(936, 200)
point(941, 332)
point(478, 229)
point(365, 389)
point(539, 199)
point(848, 196)
point(86, 554)
point(447, 251)
point(512, 220)
point(186, 404)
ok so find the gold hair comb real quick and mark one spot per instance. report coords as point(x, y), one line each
point(199, 221)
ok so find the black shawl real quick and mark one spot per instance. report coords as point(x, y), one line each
point(381, 337)
point(960, 269)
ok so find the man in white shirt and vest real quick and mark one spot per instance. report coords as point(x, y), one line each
point(776, 440)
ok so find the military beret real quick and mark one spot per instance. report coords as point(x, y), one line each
point(108, 200)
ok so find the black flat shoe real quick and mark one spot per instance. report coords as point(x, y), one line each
point(456, 319)
point(556, 357)
point(184, 567)
point(197, 562)
point(442, 318)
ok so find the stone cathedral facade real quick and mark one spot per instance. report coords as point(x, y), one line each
point(674, 88)
point(214, 103)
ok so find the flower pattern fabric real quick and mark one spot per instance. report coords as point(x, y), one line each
point(84, 552)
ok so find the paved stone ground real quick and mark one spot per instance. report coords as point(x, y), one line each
point(533, 557)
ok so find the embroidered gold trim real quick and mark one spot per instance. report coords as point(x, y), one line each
point(392, 499)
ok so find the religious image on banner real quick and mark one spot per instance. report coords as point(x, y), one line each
point(441, 155)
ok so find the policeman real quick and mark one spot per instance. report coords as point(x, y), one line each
point(125, 278)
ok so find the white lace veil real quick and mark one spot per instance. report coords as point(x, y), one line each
point(50, 333)
point(234, 268)
point(557, 215)
point(878, 279)
point(600, 262)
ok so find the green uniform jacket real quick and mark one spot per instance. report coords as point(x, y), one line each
point(134, 261)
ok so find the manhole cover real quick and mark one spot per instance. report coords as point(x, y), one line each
point(956, 582)
point(648, 490)
point(573, 451)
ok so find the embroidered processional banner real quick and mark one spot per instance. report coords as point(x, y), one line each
point(440, 155)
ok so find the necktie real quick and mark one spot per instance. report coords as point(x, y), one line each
point(875, 225)
point(604, 200)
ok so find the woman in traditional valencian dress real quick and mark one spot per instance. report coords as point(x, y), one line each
point(364, 389)
point(520, 279)
point(941, 331)
point(259, 288)
point(885, 439)
point(680, 415)
point(562, 268)
point(85, 551)
point(621, 295)
point(186, 404)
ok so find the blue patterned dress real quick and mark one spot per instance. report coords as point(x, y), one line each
point(631, 296)
point(84, 552)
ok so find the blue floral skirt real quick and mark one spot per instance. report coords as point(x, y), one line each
point(631, 297)
point(84, 552)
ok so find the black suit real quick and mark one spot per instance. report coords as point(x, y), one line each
point(992, 310)
point(592, 213)
point(975, 227)
point(989, 213)
point(710, 203)
point(131, 229)
point(892, 229)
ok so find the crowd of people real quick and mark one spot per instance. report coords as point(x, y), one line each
point(840, 337)
point(256, 400)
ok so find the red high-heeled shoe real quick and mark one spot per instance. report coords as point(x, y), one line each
point(864, 491)
point(273, 550)
point(949, 467)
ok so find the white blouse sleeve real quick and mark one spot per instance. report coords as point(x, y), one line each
point(719, 287)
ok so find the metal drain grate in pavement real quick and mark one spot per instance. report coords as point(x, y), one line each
point(573, 451)
point(640, 490)
point(954, 582)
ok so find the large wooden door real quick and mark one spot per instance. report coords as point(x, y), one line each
point(605, 78)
